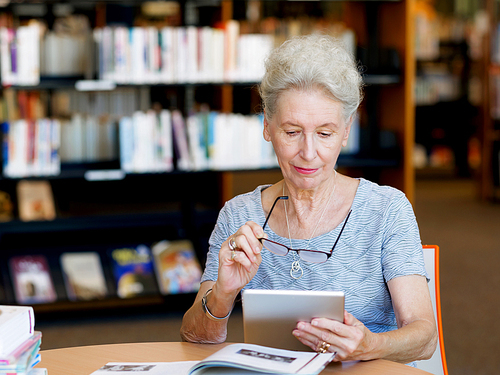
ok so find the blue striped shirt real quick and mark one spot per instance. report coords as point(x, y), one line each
point(381, 241)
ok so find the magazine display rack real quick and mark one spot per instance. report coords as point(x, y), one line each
point(104, 204)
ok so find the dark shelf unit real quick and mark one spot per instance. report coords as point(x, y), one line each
point(175, 205)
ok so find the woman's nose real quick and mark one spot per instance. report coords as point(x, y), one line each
point(308, 147)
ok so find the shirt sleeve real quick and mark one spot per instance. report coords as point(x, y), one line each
point(402, 253)
point(218, 236)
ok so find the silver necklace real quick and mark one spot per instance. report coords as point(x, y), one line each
point(296, 270)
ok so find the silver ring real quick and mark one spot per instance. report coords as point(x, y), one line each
point(232, 244)
point(233, 254)
point(324, 347)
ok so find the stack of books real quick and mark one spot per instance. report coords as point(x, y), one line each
point(19, 342)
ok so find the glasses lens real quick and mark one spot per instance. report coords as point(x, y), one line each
point(313, 256)
point(274, 247)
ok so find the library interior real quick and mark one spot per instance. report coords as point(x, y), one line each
point(101, 99)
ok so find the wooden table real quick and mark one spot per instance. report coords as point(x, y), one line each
point(84, 360)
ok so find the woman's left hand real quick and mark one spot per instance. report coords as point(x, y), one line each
point(351, 340)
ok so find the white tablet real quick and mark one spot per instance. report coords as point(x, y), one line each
point(269, 316)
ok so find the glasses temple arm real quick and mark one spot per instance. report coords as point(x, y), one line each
point(343, 226)
point(272, 208)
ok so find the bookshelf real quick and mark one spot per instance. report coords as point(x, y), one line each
point(121, 209)
point(489, 175)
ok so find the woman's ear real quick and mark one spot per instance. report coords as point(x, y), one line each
point(267, 136)
point(347, 130)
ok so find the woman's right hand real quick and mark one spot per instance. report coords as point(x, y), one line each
point(235, 271)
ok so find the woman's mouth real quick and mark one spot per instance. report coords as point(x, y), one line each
point(305, 170)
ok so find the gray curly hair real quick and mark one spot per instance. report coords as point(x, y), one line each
point(311, 62)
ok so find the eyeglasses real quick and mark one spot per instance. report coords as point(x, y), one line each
point(313, 256)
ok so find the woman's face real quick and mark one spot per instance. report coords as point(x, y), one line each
point(307, 132)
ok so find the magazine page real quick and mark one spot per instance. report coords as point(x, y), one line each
point(264, 359)
point(147, 368)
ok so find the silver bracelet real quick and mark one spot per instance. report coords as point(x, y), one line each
point(207, 311)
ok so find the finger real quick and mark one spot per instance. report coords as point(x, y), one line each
point(328, 327)
point(247, 241)
point(243, 246)
point(256, 229)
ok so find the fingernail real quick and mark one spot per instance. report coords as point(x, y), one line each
point(257, 250)
point(314, 323)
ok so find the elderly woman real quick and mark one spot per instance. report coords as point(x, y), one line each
point(332, 232)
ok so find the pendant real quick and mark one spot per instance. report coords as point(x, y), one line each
point(296, 271)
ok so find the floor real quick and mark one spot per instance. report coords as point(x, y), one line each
point(449, 215)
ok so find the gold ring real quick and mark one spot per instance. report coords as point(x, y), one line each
point(324, 347)
point(233, 254)
point(232, 244)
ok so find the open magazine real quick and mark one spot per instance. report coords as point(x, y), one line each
point(261, 359)
point(235, 359)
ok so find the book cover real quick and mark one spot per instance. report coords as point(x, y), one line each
point(17, 324)
point(32, 279)
point(133, 271)
point(35, 200)
point(83, 276)
point(177, 268)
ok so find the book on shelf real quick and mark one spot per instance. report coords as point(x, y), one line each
point(32, 279)
point(20, 55)
point(31, 147)
point(35, 200)
point(83, 276)
point(146, 142)
point(234, 359)
point(17, 324)
point(176, 265)
point(133, 271)
point(186, 54)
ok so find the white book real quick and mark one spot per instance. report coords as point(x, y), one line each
point(43, 147)
point(197, 144)
point(181, 141)
point(153, 67)
point(182, 55)
point(165, 139)
point(107, 56)
point(91, 138)
point(138, 51)
point(6, 38)
point(55, 144)
point(167, 54)
point(204, 54)
point(140, 155)
point(126, 134)
point(191, 54)
point(28, 62)
point(217, 56)
point(231, 50)
point(122, 54)
point(18, 143)
point(17, 324)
